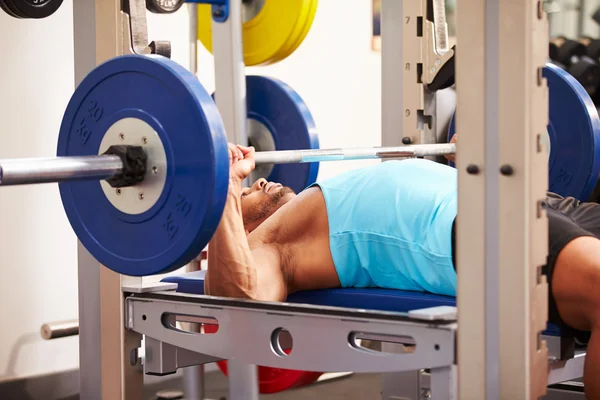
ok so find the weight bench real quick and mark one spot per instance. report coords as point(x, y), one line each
point(565, 363)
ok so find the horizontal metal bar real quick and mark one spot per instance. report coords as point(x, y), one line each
point(23, 171)
point(434, 343)
point(566, 370)
point(55, 330)
point(318, 155)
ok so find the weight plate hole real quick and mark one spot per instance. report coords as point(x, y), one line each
point(251, 8)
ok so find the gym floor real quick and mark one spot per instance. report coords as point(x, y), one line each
point(353, 387)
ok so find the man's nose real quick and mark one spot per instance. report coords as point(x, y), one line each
point(259, 184)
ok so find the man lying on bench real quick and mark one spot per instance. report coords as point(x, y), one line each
point(391, 225)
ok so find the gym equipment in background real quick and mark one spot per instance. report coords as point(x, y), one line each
point(30, 9)
point(272, 29)
point(164, 6)
point(267, 100)
point(572, 56)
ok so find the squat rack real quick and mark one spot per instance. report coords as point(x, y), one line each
point(502, 111)
point(502, 105)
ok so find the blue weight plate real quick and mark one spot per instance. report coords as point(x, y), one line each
point(286, 116)
point(574, 130)
point(171, 100)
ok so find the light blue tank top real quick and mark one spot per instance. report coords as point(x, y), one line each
point(390, 225)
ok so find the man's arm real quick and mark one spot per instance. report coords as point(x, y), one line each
point(452, 157)
point(234, 269)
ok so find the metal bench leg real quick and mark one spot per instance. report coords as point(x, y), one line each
point(193, 382)
point(243, 381)
point(401, 385)
point(444, 383)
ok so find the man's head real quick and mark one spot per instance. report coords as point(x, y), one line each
point(261, 200)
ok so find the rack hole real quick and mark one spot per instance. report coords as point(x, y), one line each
point(423, 119)
point(419, 72)
point(374, 342)
point(202, 325)
point(282, 342)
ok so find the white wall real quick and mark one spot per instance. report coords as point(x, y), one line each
point(37, 245)
point(334, 70)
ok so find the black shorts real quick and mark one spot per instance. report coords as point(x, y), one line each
point(568, 219)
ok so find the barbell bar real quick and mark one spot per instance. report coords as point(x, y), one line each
point(25, 171)
point(359, 153)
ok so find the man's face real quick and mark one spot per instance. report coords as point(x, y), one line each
point(261, 200)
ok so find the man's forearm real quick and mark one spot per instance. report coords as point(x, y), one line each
point(231, 271)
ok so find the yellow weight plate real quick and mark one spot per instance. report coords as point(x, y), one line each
point(310, 16)
point(302, 29)
point(273, 34)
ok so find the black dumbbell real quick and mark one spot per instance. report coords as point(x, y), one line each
point(572, 56)
point(593, 51)
point(566, 51)
point(592, 47)
point(30, 9)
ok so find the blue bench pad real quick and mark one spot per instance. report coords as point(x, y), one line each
point(370, 299)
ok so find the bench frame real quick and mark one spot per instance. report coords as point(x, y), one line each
point(246, 329)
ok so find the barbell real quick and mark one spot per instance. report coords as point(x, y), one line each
point(142, 162)
point(26, 171)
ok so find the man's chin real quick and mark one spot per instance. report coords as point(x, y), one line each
point(286, 190)
point(280, 191)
